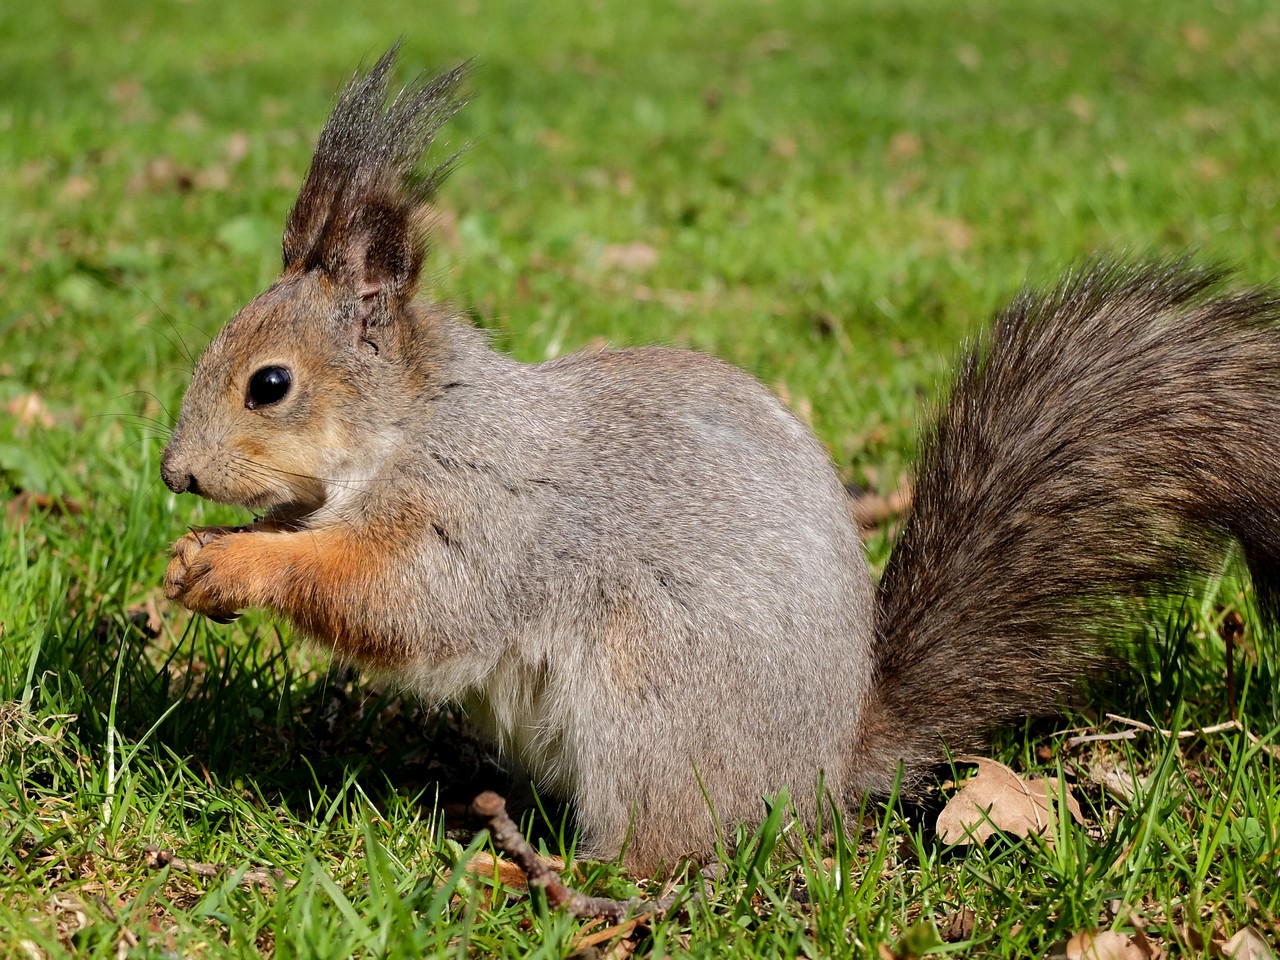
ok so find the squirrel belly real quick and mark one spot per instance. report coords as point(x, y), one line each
point(639, 571)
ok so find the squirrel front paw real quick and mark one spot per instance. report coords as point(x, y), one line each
point(197, 576)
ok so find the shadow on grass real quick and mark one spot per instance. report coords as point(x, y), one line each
point(235, 703)
point(242, 703)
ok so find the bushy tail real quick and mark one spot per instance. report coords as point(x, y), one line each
point(1102, 442)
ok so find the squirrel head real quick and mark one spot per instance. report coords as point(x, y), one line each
point(297, 399)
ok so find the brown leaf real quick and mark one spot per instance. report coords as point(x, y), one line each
point(590, 937)
point(238, 145)
point(162, 173)
point(1209, 169)
point(770, 43)
point(29, 410)
point(903, 145)
point(1150, 948)
point(1247, 944)
point(24, 504)
point(954, 234)
point(132, 100)
point(1105, 945)
point(75, 188)
point(484, 866)
point(212, 178)
point(958, 926)
point(1081, 107)
point(631, 257)
point(871, 510)
point(998, 799)
point(1115, 777)
point(125, 91)
point(784, 146)
point(1195, 36)
point(146, 617)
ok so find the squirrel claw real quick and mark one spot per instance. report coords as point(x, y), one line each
point(206, 535)
point(192, 578)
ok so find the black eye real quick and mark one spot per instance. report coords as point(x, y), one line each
point(269, 385)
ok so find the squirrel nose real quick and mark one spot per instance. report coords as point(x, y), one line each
point(177, 480)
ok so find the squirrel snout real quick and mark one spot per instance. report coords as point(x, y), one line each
point(179, 482)
point(177, 479)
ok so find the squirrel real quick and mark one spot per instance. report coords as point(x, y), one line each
point(638, 571)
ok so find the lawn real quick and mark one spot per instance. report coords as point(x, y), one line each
point(828, 195)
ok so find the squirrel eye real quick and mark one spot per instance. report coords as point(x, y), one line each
point(269, 385)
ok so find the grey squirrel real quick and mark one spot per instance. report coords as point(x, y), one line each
point(638, 570)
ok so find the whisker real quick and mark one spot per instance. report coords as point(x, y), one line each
point(160, 403)
point(134, 420)
point(182, 343)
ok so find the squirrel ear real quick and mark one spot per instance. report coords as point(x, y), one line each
point(360, 212)
point(380, 255)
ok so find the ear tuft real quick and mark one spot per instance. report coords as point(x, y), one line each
point(358, 216)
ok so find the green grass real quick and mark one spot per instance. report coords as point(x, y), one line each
point(836, 194)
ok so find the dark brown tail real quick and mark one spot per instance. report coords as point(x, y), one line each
point(1102, 442)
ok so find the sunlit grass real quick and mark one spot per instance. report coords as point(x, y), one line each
point(829, 195)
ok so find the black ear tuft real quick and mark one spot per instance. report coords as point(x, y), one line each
point(358, 216)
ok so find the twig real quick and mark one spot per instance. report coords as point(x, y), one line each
point(127, 936)
point(1096, 737)
point(158, 859)
point(507, 838)
point(1139, 727)
point(1180, 734)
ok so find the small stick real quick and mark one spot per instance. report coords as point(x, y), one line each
point(507, 838)
point(1180, 734)
point(1076, 741)
point(158, 859)
point(1072, 742)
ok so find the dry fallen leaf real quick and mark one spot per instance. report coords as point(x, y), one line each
point(952, 233)
point(903, 145)
point(1105, 945)
point(146, 617)
point(998, 799)
point(1115, 777)
point(238, 145)
point(784, 146)
point(28, 502)
point(631, 257)
point(76, 188)
point(958, 926)
point(1195, 36)
point(29, 410)
point(484, 866)
point(870, 510)
point(1247, 944)
point(1082, 107)
point(592, 937)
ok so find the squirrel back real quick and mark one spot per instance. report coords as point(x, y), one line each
point(638, 570)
